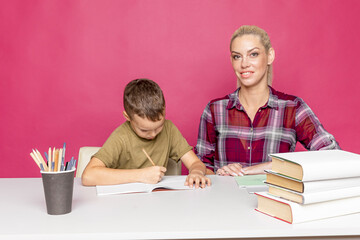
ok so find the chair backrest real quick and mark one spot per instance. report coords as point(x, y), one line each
point(85, 153)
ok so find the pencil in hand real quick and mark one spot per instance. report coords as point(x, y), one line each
point(147, 155)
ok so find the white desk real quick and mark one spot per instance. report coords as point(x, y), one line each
point(221, 211)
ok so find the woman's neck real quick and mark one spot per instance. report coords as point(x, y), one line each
point(254, 98)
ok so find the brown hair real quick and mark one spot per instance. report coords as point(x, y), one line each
point(264, 39)
point(145, 98)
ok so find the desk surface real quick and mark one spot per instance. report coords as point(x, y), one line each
point(220, 211)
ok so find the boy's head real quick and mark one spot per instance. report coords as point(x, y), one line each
point(144, 105)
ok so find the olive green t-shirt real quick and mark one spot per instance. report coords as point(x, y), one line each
point(123, 148)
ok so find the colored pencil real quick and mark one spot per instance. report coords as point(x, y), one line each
point(50, 160)
point(53, 160)
point(35, 160)
point(56, 160)
point(38, 159)
point(63, 158)
point(59, 159)
point(41, 160)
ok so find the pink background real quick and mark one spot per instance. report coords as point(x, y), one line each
point(64, 64)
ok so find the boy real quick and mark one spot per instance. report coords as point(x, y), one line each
point(121, 158)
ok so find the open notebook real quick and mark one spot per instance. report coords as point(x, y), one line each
point(168, 182)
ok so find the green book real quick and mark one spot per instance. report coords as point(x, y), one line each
point(252, 183)
point(250, 180)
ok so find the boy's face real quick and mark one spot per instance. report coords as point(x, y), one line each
point(144, 127)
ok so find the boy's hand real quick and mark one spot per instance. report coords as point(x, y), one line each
point(197, 177)
point(153, 174)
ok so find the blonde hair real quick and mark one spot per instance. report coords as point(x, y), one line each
point(264, 39)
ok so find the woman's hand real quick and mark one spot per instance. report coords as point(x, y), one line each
point(236, 169)
point(233, 169)
point(257, 169)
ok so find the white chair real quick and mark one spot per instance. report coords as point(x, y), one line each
point(85, 153)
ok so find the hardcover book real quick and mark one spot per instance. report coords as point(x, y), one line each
point(292, 212)
point(315, 196)
point(317, 165)
point(309, 186)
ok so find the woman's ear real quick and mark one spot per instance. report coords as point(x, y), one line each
point(271, 56)
point(126, 116)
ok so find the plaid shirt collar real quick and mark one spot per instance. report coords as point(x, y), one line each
point(234, 101)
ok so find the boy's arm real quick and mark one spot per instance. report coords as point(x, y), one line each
point(197, 171)
point(96, 173)
point(209, 172)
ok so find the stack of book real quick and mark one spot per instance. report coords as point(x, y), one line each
point(311, 185)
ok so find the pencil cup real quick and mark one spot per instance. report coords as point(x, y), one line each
point(58, 189)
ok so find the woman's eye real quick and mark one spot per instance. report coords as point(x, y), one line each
point(236, 57)
point(254, 54)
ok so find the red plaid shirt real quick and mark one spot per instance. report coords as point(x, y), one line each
point(227, 135)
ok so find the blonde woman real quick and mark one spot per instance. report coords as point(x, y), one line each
point(238, 131)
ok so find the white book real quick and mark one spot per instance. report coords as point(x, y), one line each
point(317, 165)
point(309, 186)
point(167, 182)
point(314, 196)
point(292, 212)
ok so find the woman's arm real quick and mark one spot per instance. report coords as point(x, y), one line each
point(309, 130)
point(206, 142)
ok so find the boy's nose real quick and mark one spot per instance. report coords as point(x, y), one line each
point(152, 135)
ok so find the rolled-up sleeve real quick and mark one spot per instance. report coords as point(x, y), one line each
point(206, 142)
point(310, 132)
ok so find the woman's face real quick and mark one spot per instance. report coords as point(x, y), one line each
point(250, 60)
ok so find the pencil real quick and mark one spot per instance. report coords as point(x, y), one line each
point(53, 169)
point(74, 164)
point(59, 160)
point(152, 162)
point(46, 157)
point(50, 160)
point(38, 154)
point(63, 157)
point(35, 159)
point(56, 160)
point(70, 164)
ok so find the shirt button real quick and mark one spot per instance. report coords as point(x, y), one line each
point(251, 129)
point(248, 148)
point(259, 110)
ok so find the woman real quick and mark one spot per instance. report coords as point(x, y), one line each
point(238, 131)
